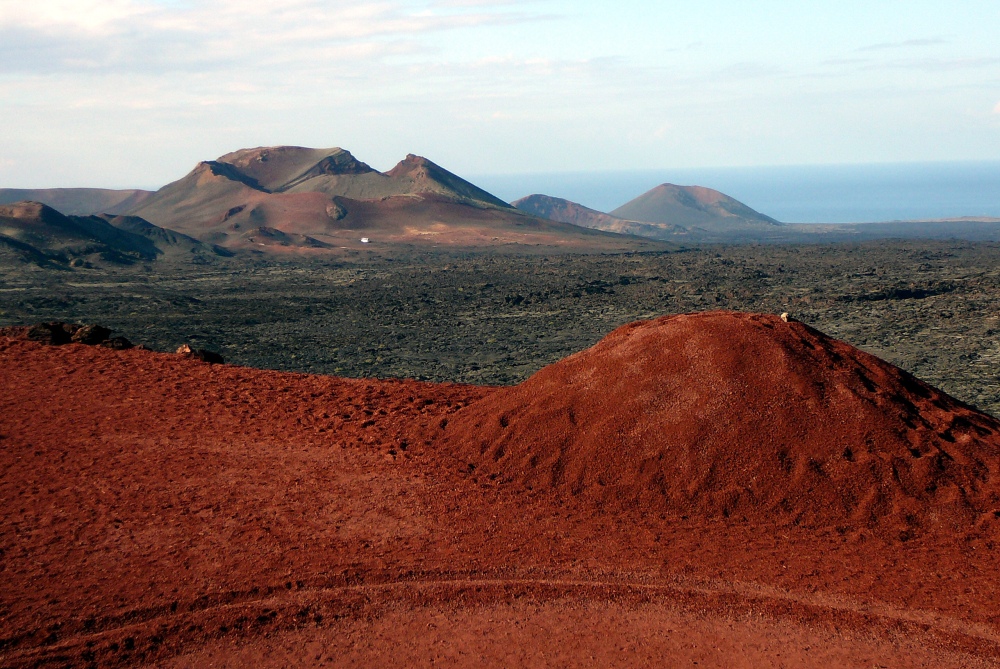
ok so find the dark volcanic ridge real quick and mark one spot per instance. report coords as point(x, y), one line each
point(35, 232)
point(743, 416)
point(59, 333)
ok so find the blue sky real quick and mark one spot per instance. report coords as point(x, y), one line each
point(134, 92)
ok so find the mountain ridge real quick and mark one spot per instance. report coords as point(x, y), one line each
point(326, 198)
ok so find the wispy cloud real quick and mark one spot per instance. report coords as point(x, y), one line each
point(918, 64)
point(905, 44)
point(943, 64)
point(141, 35)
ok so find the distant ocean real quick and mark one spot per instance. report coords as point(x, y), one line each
point(807, 194)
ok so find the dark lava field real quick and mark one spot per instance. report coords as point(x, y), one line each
point(930, 307)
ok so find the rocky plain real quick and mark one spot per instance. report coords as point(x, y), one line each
point(930, 306)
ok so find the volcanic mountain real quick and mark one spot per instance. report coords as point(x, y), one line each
point(692, 207)
point(38, 233)
point(327, 197)
point(741, 416)
point(566, 211)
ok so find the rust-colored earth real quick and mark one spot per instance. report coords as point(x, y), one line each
point(718, 490)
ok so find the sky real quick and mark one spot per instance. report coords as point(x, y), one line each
point(133, 93)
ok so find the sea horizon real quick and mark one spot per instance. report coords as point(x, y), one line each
point(856, 193)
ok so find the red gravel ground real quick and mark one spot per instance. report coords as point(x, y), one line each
point(162, 511)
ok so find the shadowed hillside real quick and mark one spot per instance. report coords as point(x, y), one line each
point(35, 232)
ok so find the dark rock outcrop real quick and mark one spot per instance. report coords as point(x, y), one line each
point(58, 333)
point(90, 335)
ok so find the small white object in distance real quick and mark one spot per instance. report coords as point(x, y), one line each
point(364, 240)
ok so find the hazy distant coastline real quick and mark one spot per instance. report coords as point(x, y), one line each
point(801, 194)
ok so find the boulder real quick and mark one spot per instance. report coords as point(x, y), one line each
point(202, 354)
point(90, 335)
point(117, 343)
point(55, 333)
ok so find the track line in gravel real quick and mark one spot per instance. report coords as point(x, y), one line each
point(284, 611)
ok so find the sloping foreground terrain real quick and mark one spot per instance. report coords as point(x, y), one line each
point(162, 511)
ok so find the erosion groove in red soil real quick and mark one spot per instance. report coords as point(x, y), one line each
point(742, 415)
point(161, 511)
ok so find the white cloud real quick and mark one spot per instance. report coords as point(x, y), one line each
point(139, 35)
point(93, 16)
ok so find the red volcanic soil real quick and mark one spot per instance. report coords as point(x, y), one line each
point(162, 511)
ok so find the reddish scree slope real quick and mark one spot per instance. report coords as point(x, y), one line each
point(160, 510)
point(734, 414)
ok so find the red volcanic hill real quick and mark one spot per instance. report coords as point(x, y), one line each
point(692, 207)
point(326, 197)
point(741, 415)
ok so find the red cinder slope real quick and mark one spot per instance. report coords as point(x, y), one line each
point(160, 511)
point(741, 415)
